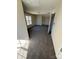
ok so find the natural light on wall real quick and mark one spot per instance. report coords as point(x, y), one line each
point(28, 20)
point(22, 49)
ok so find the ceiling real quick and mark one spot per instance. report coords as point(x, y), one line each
point(39, 6)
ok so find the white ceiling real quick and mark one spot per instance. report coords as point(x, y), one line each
point(39, 6)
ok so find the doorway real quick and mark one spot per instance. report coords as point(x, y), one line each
point(51, 23)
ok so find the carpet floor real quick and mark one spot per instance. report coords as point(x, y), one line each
point(41, 46)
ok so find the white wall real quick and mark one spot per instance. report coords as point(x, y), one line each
point(39, 20)
point(45, 20)
point(33, 19)
point(21, 25)
point(57, 29)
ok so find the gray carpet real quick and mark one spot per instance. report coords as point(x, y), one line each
point(41, 46)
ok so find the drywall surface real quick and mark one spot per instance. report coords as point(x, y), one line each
point(33, 19)
point(39, 20)
point(57, 29)
point(21, 25)
point(45, 20)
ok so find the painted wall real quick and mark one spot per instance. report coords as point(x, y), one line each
point(45, 20)
point(39, 20)
point(21, 25)
point(34, 19)
point(57, 29)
